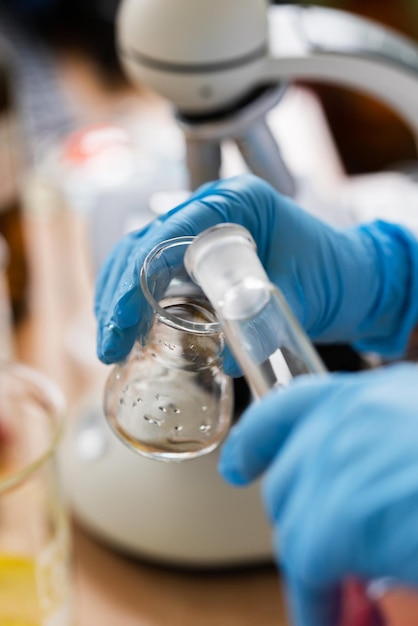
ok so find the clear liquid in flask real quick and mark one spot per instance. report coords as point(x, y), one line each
point(171, 400)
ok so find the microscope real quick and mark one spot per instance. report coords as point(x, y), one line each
point(224, 65)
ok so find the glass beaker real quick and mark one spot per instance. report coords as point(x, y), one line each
point(35, 585)
point(171, 400)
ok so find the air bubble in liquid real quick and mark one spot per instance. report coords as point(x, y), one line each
point(153, 420)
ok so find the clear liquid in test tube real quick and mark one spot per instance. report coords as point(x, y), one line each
point(260, 329)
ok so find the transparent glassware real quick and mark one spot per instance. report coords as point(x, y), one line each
point(35, 541)
point(170, 399)
point(266, 339)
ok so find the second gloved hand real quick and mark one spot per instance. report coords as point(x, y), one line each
point(339, 455)
point(357, 285)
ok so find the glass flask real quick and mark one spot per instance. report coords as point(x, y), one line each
point(262, 332)
point(170, 399)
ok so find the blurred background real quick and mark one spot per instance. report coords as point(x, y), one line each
point(68, 27)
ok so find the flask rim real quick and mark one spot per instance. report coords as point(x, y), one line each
point(203, 328)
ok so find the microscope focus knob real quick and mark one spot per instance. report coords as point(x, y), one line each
point(202, 55)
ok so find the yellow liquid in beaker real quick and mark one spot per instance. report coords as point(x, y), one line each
point(35, 590)
point(19, 598)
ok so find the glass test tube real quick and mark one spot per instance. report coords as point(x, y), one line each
point(262, 332)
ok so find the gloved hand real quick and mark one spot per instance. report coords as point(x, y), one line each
point(348, 286)
point(339, 454)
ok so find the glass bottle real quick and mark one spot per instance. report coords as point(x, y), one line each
point(170, 399)
point(262, 332)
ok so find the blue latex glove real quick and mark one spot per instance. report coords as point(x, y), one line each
point(358, 285)
point(339, 455)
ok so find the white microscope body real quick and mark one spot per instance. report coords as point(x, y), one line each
point(212, 59)
point(206, 56)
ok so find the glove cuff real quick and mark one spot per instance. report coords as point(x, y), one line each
point(394, 312)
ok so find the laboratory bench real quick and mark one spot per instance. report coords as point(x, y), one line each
point(112, 588)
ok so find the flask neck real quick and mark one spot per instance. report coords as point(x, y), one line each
point(178, 347)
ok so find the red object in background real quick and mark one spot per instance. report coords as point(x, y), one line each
point(358, 608)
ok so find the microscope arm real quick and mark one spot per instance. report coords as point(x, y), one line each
point(332, 46)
